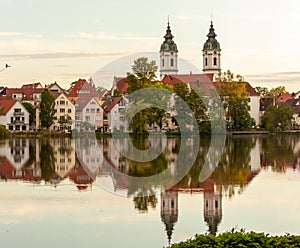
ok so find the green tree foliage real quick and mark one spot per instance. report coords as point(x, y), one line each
point(47, 160)
point(195, 103)
point(65, 121)
point(4, 133)
point(233, 92)
point(263, 91)
point(277, 117)
point(235, 238)
point(31, 110)
point(275, 92)
point(47, 110)
point(144, 76)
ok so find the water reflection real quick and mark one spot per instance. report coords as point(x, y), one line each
point(83, 162)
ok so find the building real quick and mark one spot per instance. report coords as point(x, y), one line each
point(168, 55)
point(14, 116)
point(88, 114)
point(64, 113)
point(113, 119)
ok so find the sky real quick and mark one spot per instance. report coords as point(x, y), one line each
point(61, 40)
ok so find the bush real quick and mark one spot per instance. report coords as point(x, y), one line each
point(240, 239)
point(4, 133)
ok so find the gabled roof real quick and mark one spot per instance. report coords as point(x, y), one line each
point(284, 97)
point(81, 102)
point(122, 84)
point(6, 105)
point(110, 102)
point(32, 86)
point(79, 87)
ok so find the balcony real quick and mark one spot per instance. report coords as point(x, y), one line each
point(18, 113)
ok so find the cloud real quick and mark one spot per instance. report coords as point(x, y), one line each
point(8, 34)
point(108, 37)
point(9, 57)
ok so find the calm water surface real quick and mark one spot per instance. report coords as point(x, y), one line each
point(58, 192)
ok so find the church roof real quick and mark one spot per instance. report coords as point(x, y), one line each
point(168, 45)
point(211, 43)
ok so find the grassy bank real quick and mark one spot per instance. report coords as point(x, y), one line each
point(240, 238)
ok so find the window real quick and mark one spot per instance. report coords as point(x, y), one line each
point(69, 110)
point(163, 63)
point(98, 110)
point(62, 102)
point(24, 128)
point(215, 61)
point(11, 119)
point(216, 204)
point(205, 61)
point(172, 62)
point(87, 118)
point(87, 110)
point(22, 118)
point(62, 110)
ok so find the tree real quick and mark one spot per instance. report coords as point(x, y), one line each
point(263, 91)
point(143, 77)
point(276, 92)
point(277, 117)
point(31, 110)
point(47, 110)
point(64, 121)
point(235, 97)
point(144, 69)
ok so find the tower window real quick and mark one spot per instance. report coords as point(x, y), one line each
point(205, 61)
point(215, 61)
point(172, 62)
point(163, 63)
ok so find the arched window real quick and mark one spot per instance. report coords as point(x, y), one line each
point(172, 62)
point(163, 62)
point(205, 61)
point(215, 61)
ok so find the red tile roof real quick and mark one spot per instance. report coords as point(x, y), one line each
point(32, 86)
point(110, 102)
point(82, 84)
point(122, 85)
point(187, 78)
point(27, 93)
point(284, 97)
point(6, 105)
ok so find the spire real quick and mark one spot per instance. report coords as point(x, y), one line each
point(211, 33)
point(168, 44)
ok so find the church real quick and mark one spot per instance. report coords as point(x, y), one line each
point(211, 53)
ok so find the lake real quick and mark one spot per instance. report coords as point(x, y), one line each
point(85, 192)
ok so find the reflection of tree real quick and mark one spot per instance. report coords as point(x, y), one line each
point(47, 160)
point(143, 200)
point(234, 166)
point(278, 151)
point(32, 154)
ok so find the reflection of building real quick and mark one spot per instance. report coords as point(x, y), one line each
point(212, 205)
point(16, 152)
point(169, 211)
point(64, 155)
point(80, 177)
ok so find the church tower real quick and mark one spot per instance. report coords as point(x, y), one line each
point(212, 54)
point(168, 55)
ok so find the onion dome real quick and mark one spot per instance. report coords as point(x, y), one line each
point(168, 45)
point(211, 43)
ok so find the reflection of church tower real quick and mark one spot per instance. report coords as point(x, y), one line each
point(168, 55)
point(213, 208)
point(169, 211)
point(212, 53)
